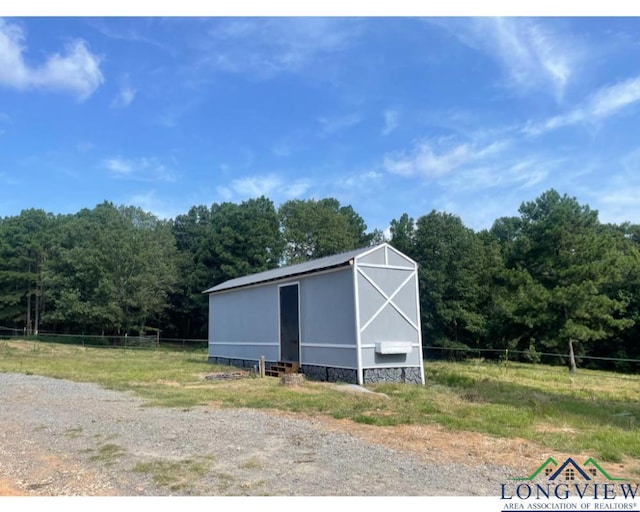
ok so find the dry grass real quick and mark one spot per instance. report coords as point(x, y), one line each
point(522, 408)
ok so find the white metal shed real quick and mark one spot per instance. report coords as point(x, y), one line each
point(353, 317)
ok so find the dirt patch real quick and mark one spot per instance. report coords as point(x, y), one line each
point(438, 444)
point(6, 489)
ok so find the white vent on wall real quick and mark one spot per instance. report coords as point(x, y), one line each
point(393, 347)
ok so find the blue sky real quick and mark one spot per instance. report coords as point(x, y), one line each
point(469, 115)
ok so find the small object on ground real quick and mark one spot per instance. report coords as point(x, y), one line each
point(292, 379)
point(225, 376)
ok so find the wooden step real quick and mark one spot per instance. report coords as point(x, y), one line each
point(282, 368)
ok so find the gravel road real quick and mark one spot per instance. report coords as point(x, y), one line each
point(65, 438)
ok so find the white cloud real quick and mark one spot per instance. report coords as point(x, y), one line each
point(619, 203)
point(426, 161)
point(124, 98)
point(271, 186)
point(150, 202)
point(138, 169)
point(604, 103)
point(533, 57)
point(330, 125)
point(265, 47)
point(118, 166)
point(77, 70)
point(7, 179)
point(391, 120)
point(359, 181)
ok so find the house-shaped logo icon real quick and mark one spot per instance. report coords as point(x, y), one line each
point(569, 471)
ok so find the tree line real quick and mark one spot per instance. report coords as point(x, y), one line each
point(552, 279)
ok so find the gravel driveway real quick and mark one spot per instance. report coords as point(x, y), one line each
point(65, 438)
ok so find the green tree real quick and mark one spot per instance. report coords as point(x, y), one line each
point(575, 269)
point(25, 246)
point(451, 269)
point(113, 270)
point(403, 232)
point(317, 228)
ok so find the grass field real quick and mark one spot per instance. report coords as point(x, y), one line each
point(590, 411)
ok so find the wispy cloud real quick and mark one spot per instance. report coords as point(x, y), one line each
point(532, 56)
point(265, 47)
point(7, 179)
point(606, 102)
point(138, 169)
point(133, 30)
point(77, 70)
point(433, 159)
point(124, 98)
point(391, 121)
point(150, 202)
point(331, 125)
point(619, 197)
point(270, 186)
point(359, 181)
point(423, 161)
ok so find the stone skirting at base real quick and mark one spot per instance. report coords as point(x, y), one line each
point(377, 375)
point(331, 374)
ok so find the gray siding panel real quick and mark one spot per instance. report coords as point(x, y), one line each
point(406, 300)
point(387, 279)
point(327, 311)
point(389, 325)
point(243, 316)
point(396, 259)
point(249, 352)
point(330, 356)
point(375, 258)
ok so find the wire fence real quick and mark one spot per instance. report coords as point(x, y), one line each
point(155, 342)
point(149, 342)
point(623, 364)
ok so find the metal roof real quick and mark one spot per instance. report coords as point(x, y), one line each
point(307, 267)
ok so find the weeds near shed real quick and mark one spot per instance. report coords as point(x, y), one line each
point(107, 454)
point(176, 475)
point(73, 433)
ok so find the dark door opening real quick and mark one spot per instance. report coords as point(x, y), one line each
point(289, 324)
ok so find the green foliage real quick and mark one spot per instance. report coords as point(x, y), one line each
point(403, 232)
point(25, 247)
point(111, 270)
point(313, 229)
point(565, 273)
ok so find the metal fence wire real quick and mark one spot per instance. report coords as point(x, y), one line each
point(621, 364)
point(151, 342)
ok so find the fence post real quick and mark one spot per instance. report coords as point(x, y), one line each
point(262, 365)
